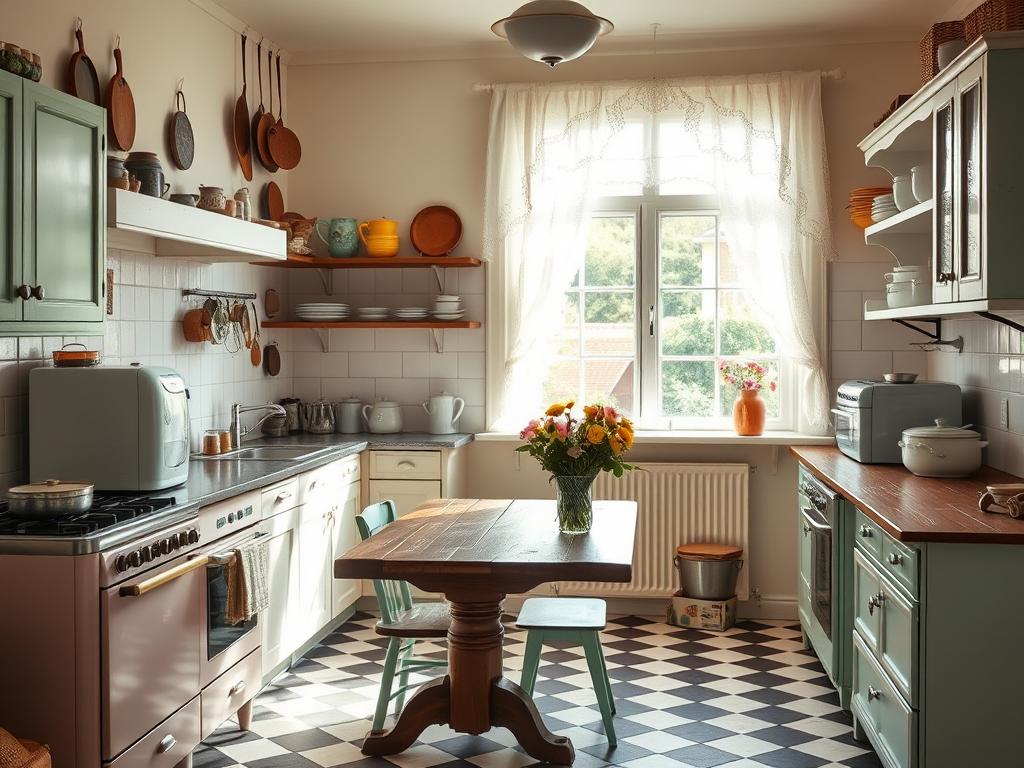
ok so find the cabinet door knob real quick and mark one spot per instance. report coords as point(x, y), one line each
point(946, 277)
point(807, 529)
point(875, 601)
point(895, 558)
point(23, 292)
point(873, 693)
point(865, 532)
point(38, 292)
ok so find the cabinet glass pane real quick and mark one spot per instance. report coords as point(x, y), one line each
point(944, 190)
point(970, 105)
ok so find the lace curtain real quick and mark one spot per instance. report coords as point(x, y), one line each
point(755, 141)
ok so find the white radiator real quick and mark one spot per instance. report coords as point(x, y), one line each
point(676, 504)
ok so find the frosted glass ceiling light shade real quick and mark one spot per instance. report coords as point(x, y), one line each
point(552, 31)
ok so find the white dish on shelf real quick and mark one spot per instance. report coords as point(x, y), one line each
point(373, 317)
point(449, 316)
point(877, 216)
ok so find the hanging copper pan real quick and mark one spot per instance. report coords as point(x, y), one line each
point(267, 120)
point(284, 145)
point(243, 149)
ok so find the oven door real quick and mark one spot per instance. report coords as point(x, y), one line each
point(223, 643)
point(150, 650)
point(848, 432)
point(820, 531)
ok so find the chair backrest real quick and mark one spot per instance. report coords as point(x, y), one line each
point(393, 597)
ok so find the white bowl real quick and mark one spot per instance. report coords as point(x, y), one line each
point(921, 182)
point(877, 216)
point(903, 192)
point(447, 297)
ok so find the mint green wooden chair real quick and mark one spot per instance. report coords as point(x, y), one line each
point(401, 621)
point(575, 620)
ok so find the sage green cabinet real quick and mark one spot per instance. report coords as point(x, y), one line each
point(53, 211)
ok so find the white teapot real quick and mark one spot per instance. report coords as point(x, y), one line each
point(383, 417)
point(442, 412)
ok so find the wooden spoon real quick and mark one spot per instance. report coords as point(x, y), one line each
point(284, 145)
point(255, 351)
point(243, 149)
point(267, 121)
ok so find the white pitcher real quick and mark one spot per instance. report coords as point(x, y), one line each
point(442, 412)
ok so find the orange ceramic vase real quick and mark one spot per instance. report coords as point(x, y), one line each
point(748, 413)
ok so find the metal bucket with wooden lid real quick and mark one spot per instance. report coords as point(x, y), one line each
point(708, 571)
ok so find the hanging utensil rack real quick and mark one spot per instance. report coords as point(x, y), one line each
point(216, 294)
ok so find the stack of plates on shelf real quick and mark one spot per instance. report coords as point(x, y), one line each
point(860, 204)
point(448, 308)
point(883, 207)
point(322, 311)
point(410, 313)
point(373, 313)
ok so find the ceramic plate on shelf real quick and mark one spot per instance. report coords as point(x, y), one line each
point(436, 230)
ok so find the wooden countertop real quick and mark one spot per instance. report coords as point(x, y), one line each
point(912, 508)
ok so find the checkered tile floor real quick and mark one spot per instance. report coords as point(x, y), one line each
point(746, 698)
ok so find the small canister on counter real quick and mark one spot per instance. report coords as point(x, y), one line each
point(211, 442)
point(291, 408)
point(225, 441)
point(349, 415)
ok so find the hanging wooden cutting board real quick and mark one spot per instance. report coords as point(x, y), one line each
point(82, 80)
point(267, 120)
point(243, 148)
point(121, 106)
point(274, 201)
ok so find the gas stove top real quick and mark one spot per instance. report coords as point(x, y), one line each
point(112, 520)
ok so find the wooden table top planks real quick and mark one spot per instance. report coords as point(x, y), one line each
point(515, 543)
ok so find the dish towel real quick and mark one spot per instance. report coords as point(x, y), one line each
point(248, 592)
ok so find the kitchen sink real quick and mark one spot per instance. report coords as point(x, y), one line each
point(269, 453)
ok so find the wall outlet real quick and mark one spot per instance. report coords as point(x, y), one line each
point(1004, 413)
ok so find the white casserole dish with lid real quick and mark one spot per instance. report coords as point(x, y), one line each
point(942, 450)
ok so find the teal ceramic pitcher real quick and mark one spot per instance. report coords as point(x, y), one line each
point(341, 236)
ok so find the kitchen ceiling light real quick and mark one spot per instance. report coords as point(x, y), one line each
point(552, 31)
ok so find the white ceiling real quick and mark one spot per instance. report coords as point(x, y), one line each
point(381, 30)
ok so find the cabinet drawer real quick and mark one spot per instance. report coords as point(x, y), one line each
point(411, 465)
point(223, 697)
point(891, 724)
point(868, 535)
point(166, 745)
point(902, 563)
point(280, 497)
point(867, 585)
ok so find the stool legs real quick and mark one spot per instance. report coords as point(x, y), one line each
point(602, 687)
point(531, 660)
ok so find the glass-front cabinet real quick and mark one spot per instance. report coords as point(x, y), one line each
point(962, 129)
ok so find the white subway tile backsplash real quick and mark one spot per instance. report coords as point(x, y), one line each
point(416, 365)
point(402, 340)
point(339, 389)
point(858, 365)
point(846, 305)
point(403, 391)
point(444, 365)
point(846, 334)
point(375, 364)
point(471, 365)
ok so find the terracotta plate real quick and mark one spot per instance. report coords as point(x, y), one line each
point(436, 230)
point(274, 201)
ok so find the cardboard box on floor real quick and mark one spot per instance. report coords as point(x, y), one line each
point(701, 614)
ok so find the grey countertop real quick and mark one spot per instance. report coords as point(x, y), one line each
point(210, 481)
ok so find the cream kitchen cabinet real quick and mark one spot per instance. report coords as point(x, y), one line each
point(407, 494)
point(276, 622)
point(344, 536)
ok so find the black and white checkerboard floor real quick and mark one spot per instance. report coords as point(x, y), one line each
point(746, 698)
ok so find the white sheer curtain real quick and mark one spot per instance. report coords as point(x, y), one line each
point(757, 139)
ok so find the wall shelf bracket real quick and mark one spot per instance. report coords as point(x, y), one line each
point(438, 335)
point(1004, 320)
point(439, 276)
point(327, 279)
point(324, 334)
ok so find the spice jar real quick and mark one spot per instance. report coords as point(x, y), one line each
point(225, 441)
point(211, 442)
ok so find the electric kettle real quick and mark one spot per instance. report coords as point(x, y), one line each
point(442, 412)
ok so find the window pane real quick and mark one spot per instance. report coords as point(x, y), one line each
point(609, 323)
point(741, 330)
point(567, 338)
point(619, 167)
point(728, 270)
point(771, 399)
point(687, 388)
point(610, 382)
point(611, 252)
point(562, 381)
point(683, 168)
point(687, 323)
point(686, 246)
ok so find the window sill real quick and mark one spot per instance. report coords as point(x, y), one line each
point(694, 437)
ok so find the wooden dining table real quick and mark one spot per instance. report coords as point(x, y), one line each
point(475, 552)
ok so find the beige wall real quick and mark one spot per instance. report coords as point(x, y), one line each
point(162, 41)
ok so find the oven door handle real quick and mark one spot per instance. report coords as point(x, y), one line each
point(843, 414)
point(810, 521)
point(218, 559)
point(148, 585)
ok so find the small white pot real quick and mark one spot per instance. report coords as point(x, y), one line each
point(906, 293)
point(921, 182)
point(941, 451)
point(903, 192)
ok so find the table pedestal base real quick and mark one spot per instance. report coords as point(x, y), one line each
point(474, 697)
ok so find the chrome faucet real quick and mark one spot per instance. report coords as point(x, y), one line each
point(238, 432)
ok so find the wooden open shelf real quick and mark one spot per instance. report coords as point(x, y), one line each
point(297, 261)
point(434, 324)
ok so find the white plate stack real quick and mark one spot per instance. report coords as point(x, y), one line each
point(372, 313)
point(883, 207)
point(410, 313)
point(321, 312)
point(447, 307)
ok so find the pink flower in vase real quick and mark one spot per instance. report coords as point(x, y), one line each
point(610, 414)
point(530, 430)
point(561, 429)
